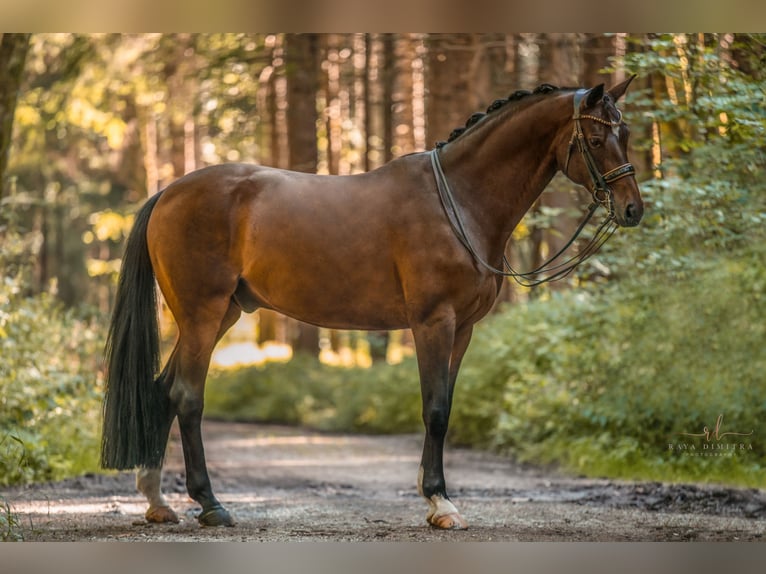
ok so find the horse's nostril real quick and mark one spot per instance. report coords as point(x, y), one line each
point(632, 214)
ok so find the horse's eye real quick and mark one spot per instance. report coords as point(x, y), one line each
point(594, 142)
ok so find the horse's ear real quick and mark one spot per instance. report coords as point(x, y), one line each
point(595, 95)
point(619, 90)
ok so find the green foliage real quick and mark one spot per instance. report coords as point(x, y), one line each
point(603, 381)
point(81, 145)
point(303, 391)
point(711, 198)
point(49, 389)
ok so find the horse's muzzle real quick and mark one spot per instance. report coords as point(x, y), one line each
point(632, 215)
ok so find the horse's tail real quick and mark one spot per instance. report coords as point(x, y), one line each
point(136, 406)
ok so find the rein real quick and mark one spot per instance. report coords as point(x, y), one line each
point(601, 192)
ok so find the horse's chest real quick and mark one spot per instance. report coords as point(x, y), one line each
point(481, 301)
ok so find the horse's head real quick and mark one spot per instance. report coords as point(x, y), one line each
point(596, 154)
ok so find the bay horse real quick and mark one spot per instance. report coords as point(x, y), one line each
point(379, 251)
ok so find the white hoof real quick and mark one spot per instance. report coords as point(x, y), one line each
point(443, 514)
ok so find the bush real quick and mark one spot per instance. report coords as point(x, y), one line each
point(602, 382)
point(50, 393)
point(303, 391)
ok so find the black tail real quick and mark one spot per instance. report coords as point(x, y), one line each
point(135, 406)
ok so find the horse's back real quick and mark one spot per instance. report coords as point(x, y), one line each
point(280, 190)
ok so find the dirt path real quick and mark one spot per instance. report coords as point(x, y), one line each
point(286, 484)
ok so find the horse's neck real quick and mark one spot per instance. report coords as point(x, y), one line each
point(498, 175)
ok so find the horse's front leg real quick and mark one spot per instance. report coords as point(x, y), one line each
point(439, 352)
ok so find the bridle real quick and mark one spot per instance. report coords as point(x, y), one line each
point(601, 192)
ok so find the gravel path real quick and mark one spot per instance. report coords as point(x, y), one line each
point(285, 484)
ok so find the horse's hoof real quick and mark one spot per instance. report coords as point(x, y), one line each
point(443, 514)
point(161, 514)
point(216, 516)
point(451, 521)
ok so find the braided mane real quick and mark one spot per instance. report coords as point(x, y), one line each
point(496, 105)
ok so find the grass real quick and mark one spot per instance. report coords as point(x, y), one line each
point(9, 523)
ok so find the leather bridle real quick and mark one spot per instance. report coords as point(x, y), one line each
point(601, 192)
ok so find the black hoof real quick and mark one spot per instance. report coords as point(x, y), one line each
point(216, 516)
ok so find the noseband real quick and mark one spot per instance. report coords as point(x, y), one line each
point(601, 192)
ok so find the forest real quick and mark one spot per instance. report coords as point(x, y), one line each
point(602, 373)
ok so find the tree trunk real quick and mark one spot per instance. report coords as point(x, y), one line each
point(302, 56)
point(278, 107)
point(13, 53)
point(303, 68)
point(596, 51)
point(272, 326)
point(507, 58)
point(748, 55)
point(452, 96)
point(380, 105)
point(389, 75)
point(643, 159)
point(331, 88)
point(402, 113)
point(559, 59)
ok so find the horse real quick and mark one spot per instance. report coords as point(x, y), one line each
point(412, 244)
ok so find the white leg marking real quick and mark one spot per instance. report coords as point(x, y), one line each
point(148, 481)
point(438, 507)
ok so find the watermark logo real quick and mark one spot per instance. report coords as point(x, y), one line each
point(712, 442)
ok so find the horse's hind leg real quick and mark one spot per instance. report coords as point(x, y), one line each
point(148, 480)
point(196, 341)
